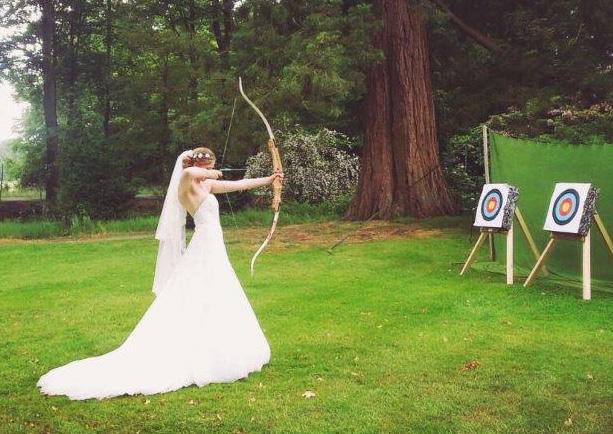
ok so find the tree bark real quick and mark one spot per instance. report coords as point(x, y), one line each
point(74, 44)
point(223, 13)
point(190, 29)
point(108, 42)
point(400, 168)
point(228, 21)
point(164, 127)
point(49, 102)
point(216, 25)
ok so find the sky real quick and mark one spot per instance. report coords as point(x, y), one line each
point(10, 112)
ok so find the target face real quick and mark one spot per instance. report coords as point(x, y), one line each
point(566, 207)
point(492, 205)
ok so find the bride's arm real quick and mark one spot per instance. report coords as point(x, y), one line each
point(200, 174)
point(243, 184)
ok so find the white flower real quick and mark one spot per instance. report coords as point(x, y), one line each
point(308, 394)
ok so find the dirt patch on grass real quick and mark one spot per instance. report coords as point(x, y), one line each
point(328, 234)
point(324, 234)
point(89, 238)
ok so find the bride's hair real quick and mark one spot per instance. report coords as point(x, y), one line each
point(198, 154)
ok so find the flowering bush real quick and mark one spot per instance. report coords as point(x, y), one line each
point(566, 123)
point(10, 186)
point(318, 166)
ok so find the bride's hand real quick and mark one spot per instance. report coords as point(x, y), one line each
point(277, 174)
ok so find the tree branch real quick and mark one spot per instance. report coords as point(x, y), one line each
point(477, 36)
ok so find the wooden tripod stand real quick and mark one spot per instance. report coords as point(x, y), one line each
point(586, 257)
point(509, 238)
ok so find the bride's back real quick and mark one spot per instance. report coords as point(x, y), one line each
point(191, 191)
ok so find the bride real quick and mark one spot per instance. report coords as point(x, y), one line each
point(200, 328)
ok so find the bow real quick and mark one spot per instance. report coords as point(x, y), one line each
point(276, 166)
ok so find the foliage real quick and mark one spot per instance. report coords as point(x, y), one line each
point(28, 151)
point(139, 81)
point(463, 156)
point(318, 166)
point(560, 122)
point(317, 53)
point(10, 161)
point(463, 166)
point(551, 51)
point(94, 182)
point(166, 73)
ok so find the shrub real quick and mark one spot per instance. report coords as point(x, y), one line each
point(319, 166)
point(463, 167)
point(566, 123)
point(559, 121)
point(93, 182)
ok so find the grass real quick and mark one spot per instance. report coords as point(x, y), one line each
point(293, 213)
point(384, 331)
point(22, 193)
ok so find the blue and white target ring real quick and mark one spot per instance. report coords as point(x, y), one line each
point(565, 207)
point(491, 205)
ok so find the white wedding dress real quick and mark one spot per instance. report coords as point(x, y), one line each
point(200, 329)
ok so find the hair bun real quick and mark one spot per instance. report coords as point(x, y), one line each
point(198, 154)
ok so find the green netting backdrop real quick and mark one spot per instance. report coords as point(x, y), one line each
point(535, 167)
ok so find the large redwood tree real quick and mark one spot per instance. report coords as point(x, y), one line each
point(400, 168)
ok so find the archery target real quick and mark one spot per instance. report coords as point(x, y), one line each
point(491, 205)
point(495, 204)
point(567, 207)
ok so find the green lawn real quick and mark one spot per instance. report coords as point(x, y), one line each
point(22, 193)
point(41, 228)
point(385, 332)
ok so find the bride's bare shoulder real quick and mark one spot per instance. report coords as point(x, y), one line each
point(191, 175)
point(189, 172)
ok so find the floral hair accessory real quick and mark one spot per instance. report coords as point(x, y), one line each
point(203, 156)
point(194, 156)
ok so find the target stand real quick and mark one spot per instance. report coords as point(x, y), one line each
point(495, 214)
point(571, 211)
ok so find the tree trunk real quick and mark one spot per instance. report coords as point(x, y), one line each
point(216, 25)
point(190, 29)
point(49, 101)
point(73, 120)
point(223, 13)
point(165, 127)
point(400, 168)
point(108, 42)
point(228, 21)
